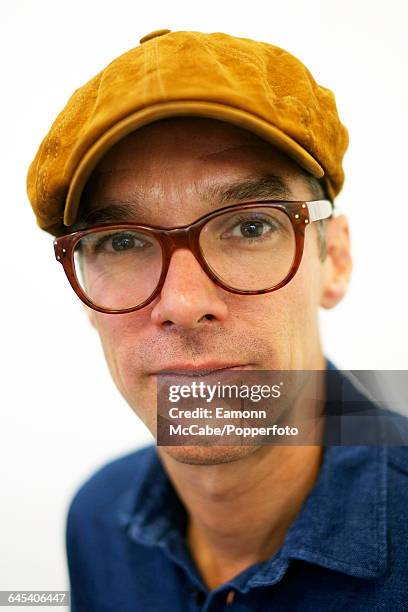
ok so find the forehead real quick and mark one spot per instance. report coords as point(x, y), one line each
point(204, 161)
point(199, 139)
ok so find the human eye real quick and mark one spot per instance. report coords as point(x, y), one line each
point(251, 227)
point(119, 242)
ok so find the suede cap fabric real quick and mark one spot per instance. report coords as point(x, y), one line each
point(254, 85)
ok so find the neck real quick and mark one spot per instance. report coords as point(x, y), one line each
point(240, 510)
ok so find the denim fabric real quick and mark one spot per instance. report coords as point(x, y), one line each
point(346, 550)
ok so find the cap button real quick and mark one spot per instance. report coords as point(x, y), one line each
point(153, 35)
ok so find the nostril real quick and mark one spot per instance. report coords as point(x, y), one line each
point(209, 317)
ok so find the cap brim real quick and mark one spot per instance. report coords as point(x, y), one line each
point(212, 110)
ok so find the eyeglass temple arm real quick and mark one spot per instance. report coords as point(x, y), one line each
point(320, 209)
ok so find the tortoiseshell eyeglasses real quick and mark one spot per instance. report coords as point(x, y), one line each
point(247, 249)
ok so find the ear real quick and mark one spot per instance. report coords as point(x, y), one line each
point(338, 263)
point(90, 314)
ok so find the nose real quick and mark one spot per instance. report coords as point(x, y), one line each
point(189, 298)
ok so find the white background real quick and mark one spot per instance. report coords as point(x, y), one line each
point(61, 414)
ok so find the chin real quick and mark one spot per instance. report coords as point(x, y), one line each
point(208, 455)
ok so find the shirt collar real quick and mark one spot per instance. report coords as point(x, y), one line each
point(341, 526)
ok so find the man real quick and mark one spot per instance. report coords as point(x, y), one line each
point(182, 126)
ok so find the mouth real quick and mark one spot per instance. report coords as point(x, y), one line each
point(194, 371)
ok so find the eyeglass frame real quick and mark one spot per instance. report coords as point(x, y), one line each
point(300, 213)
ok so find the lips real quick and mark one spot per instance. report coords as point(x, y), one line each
point(194, 371)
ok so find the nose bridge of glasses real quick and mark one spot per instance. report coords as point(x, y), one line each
point(178, 238)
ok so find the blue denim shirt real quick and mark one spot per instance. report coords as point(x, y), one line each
point(346, 550)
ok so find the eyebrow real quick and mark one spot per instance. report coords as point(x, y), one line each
point(243, 190)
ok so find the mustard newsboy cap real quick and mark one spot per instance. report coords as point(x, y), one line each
point(254, 85)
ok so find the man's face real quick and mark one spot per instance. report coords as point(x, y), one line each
point(168, 172)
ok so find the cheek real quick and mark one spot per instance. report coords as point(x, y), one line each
point(306, 287)
point(120, 336)
point(296, 305)
point(293, 311)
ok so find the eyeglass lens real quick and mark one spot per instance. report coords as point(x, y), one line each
point(248, 250)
